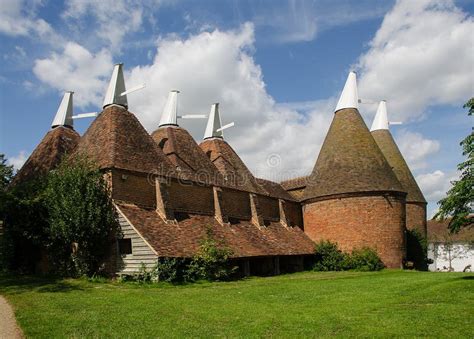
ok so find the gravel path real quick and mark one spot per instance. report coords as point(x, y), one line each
point(8, 327)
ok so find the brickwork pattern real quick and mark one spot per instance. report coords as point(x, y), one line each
point(133, 187)
point(416, 217)
point(354, 222)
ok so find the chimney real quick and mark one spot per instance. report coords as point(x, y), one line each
point(381, 119)
point(115, 92)
point(214, 123)
point(170, 112)
point(349, 96)
point(64, 114)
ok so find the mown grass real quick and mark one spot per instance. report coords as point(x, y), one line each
point(310, 304)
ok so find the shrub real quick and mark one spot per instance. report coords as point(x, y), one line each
point(171, 269)
point(211, 262)
point(328, 257)
point(364, 259)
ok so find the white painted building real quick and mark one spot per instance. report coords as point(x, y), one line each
point(450, 252)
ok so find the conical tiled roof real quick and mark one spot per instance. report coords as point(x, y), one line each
point(235, 173)
point(350, 160)
point(116, 139)
point(48, 154)
point(389, 148)
point(184, 153)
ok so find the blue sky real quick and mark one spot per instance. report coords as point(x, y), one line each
point(276, 67)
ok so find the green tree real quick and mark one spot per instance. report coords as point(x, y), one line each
point(459, 201)
point(6, 172)
point(82, 219)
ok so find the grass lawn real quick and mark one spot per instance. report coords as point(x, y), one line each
point(387, 303)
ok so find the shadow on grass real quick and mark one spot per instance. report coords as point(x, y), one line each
point(16, 284)
point(468, 277)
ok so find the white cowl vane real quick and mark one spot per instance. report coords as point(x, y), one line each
point(214, 124)
point(169, 117)
point(381, 118)
point(349, 96)
point(64, 114)
point(116, 89)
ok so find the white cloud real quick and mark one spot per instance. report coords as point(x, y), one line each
point(416, 148)
point(422, 55)
point(76, 69)
point(114, 18)
point(434, 185)
point(18, 18)
point(218, 67)
point(18, 160)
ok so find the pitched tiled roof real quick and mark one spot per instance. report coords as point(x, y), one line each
point(233, 169)
point(243, 238)
point(274, 189)
point(48, 154)
point(389, 148)
point(438, 232)
point(182, 151)
point(350, 160)
point(116, 139)
point(295, 183)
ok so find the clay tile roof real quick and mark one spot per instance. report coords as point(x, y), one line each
point(243, 238)
point(295, 183)
point(350, 160)
point(274, 189)
point(183, 152)
point(116, 139)
point(438, 232)
point(389, 148)
point(228, 163)
point(48, 154)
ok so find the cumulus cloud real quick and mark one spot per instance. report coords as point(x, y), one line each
point(416, 149)
point(114, 18)
point(434, 185)
point(218, 67)
point(18, 18)
point(18, 160)
point(77, 69)
point(422, 55)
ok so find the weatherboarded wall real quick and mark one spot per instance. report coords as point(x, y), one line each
point(141, 252)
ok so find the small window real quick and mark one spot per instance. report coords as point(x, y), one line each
point(125, 246)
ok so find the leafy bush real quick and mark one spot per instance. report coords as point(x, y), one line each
point(211, 262)
point(171, 269)
point(328, 257)
point(364, 259)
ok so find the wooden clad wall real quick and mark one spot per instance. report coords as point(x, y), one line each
point(141, 252)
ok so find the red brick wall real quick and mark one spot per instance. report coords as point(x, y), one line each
point(269, 207)
point(416, 217)
point(236, 204)
point(133, 187)
point(354, 222)
point(191, 198)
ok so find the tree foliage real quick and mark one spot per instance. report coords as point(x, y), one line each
point(6, 172)
point(82, 220)
point(459, 201)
